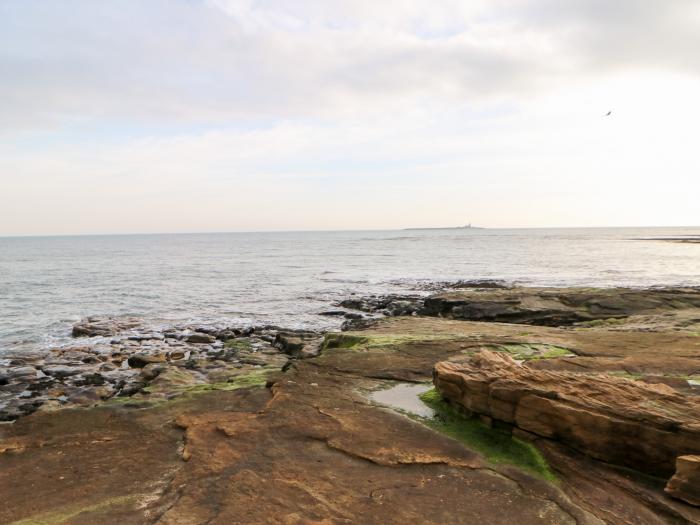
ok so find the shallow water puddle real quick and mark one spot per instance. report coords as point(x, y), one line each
point(404, 397)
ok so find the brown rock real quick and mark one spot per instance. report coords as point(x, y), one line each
point(104, 326)
point(616, 420)
point(141, 360)
point(198, 338)
point(685, 483)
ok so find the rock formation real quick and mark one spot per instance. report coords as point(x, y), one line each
point(685, 483)
point(630, 423)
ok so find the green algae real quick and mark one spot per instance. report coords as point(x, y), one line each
point(251, 379)
point(596, 323)
point(376, 341)
point(342, 340)
point(495, 445)
point(530, 351)
point(238, 345)
point(67, 513)
point(179, 393)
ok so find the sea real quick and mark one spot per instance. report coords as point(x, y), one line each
point(288, 278)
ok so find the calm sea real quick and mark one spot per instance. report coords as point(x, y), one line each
point(47, 283)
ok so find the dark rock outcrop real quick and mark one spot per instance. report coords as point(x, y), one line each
point(556, 307)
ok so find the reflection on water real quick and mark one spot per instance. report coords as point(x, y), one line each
point(404, 397)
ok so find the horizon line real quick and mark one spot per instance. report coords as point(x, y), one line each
point(412, 228)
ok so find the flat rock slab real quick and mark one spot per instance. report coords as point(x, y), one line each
point(314, 448)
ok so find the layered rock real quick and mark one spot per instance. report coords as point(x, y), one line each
point(685, 483)
point(634, 424)
point(557, 307)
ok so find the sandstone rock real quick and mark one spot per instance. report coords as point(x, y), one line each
point(199, 338)
point(141, 360)
point(152, 370)
point(299, 344)
point(104, 326)
point(624, 422)
point(685, 483)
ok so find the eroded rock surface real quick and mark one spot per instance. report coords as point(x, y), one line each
point(201, 440)
point(629, 423)
point(685, 483)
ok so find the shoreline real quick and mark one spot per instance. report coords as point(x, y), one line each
point(289, 415)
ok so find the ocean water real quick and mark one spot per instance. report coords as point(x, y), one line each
point(48, 283)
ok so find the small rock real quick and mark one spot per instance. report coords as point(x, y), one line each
point(61, 371)
point(199, 338)
point(93, 379)
point(685, 483)
point(141, 360)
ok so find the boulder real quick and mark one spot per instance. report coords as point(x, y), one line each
point(685, 483)
point(141, 360)
point(61, 371)
point(104, 326)
point(299, 344)
point(616, 420)
point(199, 338)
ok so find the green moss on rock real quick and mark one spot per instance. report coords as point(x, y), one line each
point(493, 444)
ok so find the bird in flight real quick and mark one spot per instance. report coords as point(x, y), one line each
point(608, 113)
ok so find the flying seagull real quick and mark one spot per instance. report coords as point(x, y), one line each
point(608, 113)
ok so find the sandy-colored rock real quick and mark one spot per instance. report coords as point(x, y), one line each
point(685, 483)
point(616, 420)
point(104, 326)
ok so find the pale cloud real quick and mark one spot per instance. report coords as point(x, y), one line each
point(240, 114)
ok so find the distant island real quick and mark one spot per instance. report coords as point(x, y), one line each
point(466, 227)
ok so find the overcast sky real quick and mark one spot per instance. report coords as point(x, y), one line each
point(224, 115)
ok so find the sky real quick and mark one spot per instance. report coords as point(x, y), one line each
point(237, 115)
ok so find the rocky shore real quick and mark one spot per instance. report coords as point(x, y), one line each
point(555, 406)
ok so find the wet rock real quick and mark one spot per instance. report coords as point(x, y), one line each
point(21, 372)
point(629, 423)
point(176, 355)
point(131, 389)
point(556, 307)
point(402, 307)
point(153, 370)
point(333, 313)
point(299, 344)
point(685, 483)
point(141, 360)
point(104, 326)
point(60, 371)
point(94, 379)
point(200, 338)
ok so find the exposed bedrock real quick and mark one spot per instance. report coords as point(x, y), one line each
point(685, 483)
point(557, 307)
point(629, 423)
